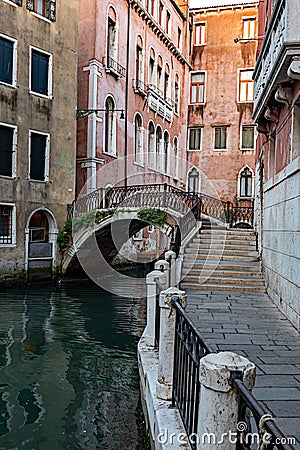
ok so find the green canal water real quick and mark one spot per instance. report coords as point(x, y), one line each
point(68, 368)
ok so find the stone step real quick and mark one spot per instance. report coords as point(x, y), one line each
point(204, 272)
point(224, 244)
point(218, 238)
point(225, 280)
point(217, 257)
point(223, 265)
point(223, 251)
point(219, 287)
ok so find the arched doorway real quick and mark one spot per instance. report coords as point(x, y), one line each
point(41, 234)
point(193, 180)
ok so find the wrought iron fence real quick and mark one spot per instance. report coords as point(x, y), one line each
point(189, 348)
point(268, 432)
point(110, 63)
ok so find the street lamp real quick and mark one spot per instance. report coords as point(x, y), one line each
point(246, 40)
point(80, 113)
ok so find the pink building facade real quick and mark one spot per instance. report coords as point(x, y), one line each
point(133, 68)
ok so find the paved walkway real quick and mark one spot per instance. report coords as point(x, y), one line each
point(249, 324)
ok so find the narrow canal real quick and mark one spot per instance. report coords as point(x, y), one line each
point(68, 368)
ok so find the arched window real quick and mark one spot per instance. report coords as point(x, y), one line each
point(111, 50)
point(159, 74)
point(165, 156)
point(158, 145)
point(245, 183)
point(110, 127)
point(151, 67)
point(176, 165)
point(139, 69)
point(138, 139)
point(167, 82)
point(151, 146)
point(193, 180)
point(176, 95)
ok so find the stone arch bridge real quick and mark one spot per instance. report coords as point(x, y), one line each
point(107, 218)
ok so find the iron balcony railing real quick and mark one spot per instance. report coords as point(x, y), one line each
point(189, 348)
point(113, 66)
point(140, 87)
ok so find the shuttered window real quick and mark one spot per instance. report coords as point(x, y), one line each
point(6, 151)
point(40, 72)
point(6, 60)
point(39, 156)
point(220, 137)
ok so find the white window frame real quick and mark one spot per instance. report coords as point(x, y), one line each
point(50, 65)
point(245, 125)
point(13, 226)
point(176, 158)
point(14, 150)
point(240, 197)
point(15, 59)
point(113, 139)
point(205, 87)
point(239, 100)
point(47, 156)
point(200, 24)
point(138, 144)
point(168, 32)
point(249, 19)
point(178, 103)
point(201, 138)
point(151, 151)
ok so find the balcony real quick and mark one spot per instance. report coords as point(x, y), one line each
point(281, 45)
point(156, 101)
point(140, 87)
point(111, 66)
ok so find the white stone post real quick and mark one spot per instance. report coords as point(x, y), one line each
point(166, 341)
point(164, 266)
point(151, 303)
point(171, 256)
point(218, 409)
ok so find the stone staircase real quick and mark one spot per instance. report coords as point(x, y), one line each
point(221, 259)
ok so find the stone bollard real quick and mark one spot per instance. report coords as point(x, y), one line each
point(218, 409)
point(164, 266)
point(171, 256)
point(149, 334)
point(164, 383)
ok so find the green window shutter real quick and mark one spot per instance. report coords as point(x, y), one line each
point(6, 60)
point(51, 10)
point(6, 150)
point(37, 156)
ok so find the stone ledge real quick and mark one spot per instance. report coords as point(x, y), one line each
point(162, 419)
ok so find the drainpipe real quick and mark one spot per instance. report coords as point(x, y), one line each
point(126, 97)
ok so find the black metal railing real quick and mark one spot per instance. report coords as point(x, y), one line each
point(139, 86)
point(113, 65)
point(189, 348)
point(267, 430)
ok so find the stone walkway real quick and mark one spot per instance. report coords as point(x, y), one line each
point(249, 324)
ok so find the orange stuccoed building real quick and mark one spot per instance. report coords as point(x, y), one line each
point(221, 131)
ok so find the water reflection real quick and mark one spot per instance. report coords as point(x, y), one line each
point(68, 371)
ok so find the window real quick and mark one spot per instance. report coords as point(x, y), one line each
point(138, 141)
point(195, 136)
point(247, 137)
point(159, 74)
point(41, 76)
point(221, 137)
point(193, 180)
point(8, 60)
point(151, 146)
point(151, 67)
point(44, 8)
point(199, 33)
point(179, 38)
point(165, 156)
point(150, 6)
point(160, 13)
point(176, 95)
point(246, 86)
point(158, 145)
point(8, 144)
point(39, 144)
point(198, 87)
point(167, 83)
point(111, 39)
point(139, 63)
point(168, 23)
point(176, 165)
point(245, 182)
point(7, 224)
point(110, 127)
point(249, 27)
